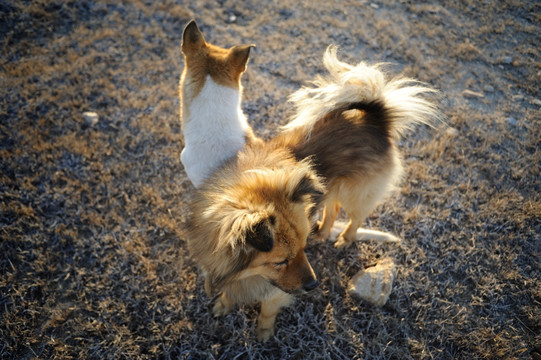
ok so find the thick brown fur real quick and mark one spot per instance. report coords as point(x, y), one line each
point(251, 219)
point(349, 125)
point(249, 227)
point(355, 155)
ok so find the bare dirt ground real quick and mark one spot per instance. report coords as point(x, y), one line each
point(93, 260)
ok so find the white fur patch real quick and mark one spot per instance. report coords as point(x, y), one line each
point(214, 132)
point(364, 234)
point(348, 84)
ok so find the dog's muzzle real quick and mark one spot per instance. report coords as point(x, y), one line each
point(310, 285)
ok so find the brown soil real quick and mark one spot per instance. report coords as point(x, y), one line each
point(93, 260)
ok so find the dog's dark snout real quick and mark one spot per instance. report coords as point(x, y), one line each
point(310, 285)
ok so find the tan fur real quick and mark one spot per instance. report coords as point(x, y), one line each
point(250, 221)
point(249, 228)
point(349, 125)
point(360, 165)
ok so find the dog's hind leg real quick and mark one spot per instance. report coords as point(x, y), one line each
point(358, 201)
point(348, 236)
point(330, 212)
point(269, 309)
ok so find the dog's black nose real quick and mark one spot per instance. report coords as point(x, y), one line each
point(311, 285)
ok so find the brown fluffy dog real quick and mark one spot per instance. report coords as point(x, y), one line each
point(249, 226)
point(349, 124)
point(251, 219)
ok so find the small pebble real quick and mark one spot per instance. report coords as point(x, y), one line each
point(451, 131)
point(472, 94)
point(536, 102)
point(518, 97)
point(511, 121)
point(489, 88)
point(507, 60)
point(90, 118)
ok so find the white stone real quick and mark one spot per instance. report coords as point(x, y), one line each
point(489, 88)
point(374, 284)
point(511, 121)
point(517, 97)
point(472, 94)
point(90, 118)
point(507, 60)
point(451, 131)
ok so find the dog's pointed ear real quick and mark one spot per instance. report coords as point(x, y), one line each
point(308, 186)
point(239, 55)
point(261, 234)
point(192, 38)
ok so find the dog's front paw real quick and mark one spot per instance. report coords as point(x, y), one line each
point(342, 242)
point(222, 306)
point(264, 334)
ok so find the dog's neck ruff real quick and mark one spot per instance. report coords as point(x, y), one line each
point(214, 131)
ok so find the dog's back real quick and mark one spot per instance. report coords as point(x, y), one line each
point(351, 141)
point(349, 124)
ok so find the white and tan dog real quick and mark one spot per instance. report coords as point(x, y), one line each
point(213, 124)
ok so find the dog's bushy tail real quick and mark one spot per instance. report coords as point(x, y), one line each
point(403, 99)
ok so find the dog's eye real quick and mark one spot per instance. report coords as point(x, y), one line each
point(281, 263)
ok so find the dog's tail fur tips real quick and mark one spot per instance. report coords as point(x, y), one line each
point(402, 98)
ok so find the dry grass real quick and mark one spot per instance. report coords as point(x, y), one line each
point(93, 259)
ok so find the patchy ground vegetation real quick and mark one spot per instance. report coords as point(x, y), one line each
point(93, 261)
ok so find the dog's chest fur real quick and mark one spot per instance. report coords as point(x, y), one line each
point(214, 130)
